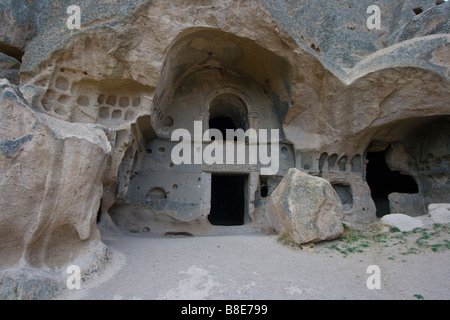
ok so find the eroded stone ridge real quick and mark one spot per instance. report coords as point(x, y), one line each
point(87, 115)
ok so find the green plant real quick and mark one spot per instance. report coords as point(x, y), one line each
point(410, 251)
point(395, 229)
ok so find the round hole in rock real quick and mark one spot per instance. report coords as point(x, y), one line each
point(168, 122)
point(418, 10)
point(117, 114)
point(62, 83)
point(104, 113)
point(51, 95)
point(136, 102)
point(264, 191)
point(162, 149)
point(111, 100)
point(129, 115)
point(156, 194)
point(124, 102)
point(101, 99)
point(83, 101)
point(64, 99)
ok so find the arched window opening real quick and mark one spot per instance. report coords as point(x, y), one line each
point(228, 112)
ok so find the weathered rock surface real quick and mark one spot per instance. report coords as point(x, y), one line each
point(439, 212)
point(7, 62)
point(9, 68)
point(51, 183)
point(138, 69)
point(306, 208)
point(337, 32)
point(410, 204)
point(17, 27)
point(432, 20)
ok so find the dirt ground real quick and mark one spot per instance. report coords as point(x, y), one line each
point(413, 265)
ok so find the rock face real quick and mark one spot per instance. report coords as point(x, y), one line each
point(50, 185)
point(306, 208)
point(87, 117)
point(16, 30)
point(17, 27)
point(439, 212)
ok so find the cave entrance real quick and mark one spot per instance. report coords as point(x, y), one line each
point(227, 200)
point(382, 182)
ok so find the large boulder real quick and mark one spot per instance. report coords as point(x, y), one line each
point(306, 208)
point(50, 185)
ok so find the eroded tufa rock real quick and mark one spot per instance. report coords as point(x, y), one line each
point(306, 208)
point(50, 185)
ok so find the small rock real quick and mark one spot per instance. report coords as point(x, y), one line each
point(309, 247)
point(440, 212)
point(401, 221)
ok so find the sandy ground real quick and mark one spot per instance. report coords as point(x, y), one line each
point(256, 266)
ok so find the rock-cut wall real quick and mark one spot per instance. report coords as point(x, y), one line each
point(86, 115)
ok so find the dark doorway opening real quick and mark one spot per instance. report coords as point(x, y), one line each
point(227, 200)
point(382, 182)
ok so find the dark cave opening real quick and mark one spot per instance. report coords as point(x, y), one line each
point(222, 124)
point(382, 182)
point(227, 200)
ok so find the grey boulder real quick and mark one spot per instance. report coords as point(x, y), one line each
point(306, 208)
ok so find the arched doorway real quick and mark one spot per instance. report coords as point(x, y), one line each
point(228, 111)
